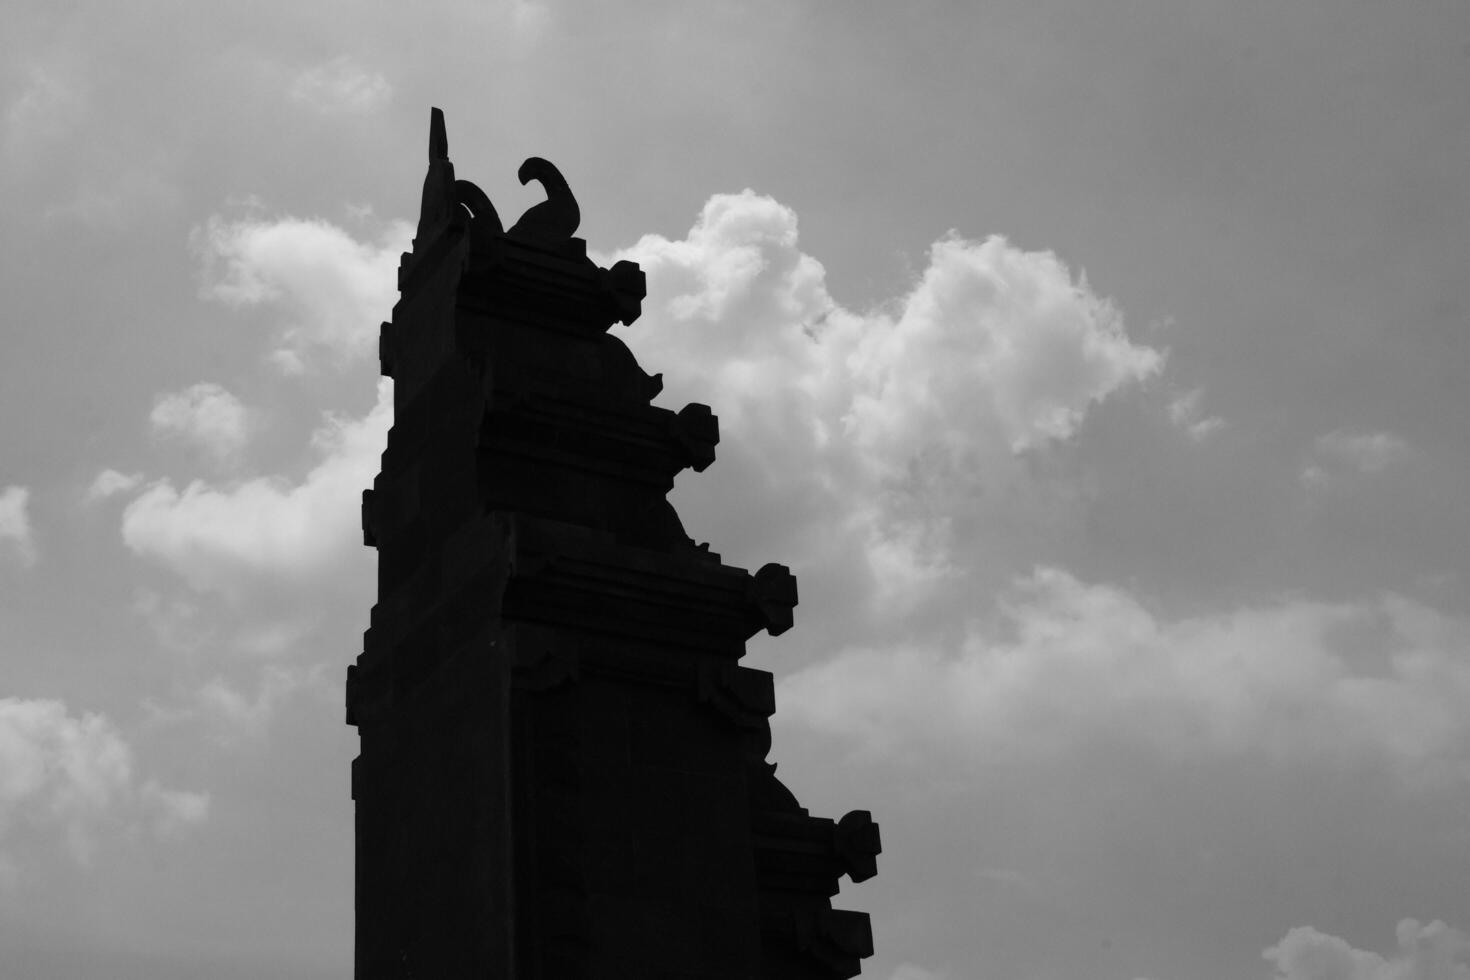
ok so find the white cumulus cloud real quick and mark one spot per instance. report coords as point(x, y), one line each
point(992, 336)
point(1066, 663)
point(876, 440)
point(205, 415)
point(331, 289)
point(75, 774)
point(1426, 952)
point(993, 341)
point(17, 540)
point(110, 483)
point(222, 537)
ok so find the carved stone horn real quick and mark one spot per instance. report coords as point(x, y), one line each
point(555, 219)
point(483, 221)
point(486, 220)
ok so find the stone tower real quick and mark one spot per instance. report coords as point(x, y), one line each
point(562, 770)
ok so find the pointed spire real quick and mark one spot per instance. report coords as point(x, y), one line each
point(438, 138)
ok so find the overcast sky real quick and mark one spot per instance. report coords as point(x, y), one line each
point(1099, 367)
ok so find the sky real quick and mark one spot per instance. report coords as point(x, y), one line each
point(1098, 366)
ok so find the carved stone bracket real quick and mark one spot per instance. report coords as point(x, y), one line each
point(369, 524)
point(773, 590)
point(367, 695)
point(837, 938)
point(858, 844)
point(801, 852)
point(697, 432)
point(627, 285)
point(746, 697)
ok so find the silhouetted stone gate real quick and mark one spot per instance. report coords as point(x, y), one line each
point(563, 769)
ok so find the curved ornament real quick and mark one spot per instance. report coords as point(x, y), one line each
point(478, 203)
point(555, 219)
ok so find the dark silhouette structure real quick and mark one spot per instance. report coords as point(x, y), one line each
point(563, 768)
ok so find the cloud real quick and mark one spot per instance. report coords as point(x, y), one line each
point(50, 106)
point(223, 538)
point(75, 774)
point(1426, 952)
point(16, 537)
point(528, 18)
point(991, 338)
point(1009, 878)
point(177, 624)
point(232, 716)
point(1184, 412)
point(332, 289)
point(890, 445)
point(1369, 452)
point(888, 448)
point(1065, 665)
point(908, 971)
point(888, 429)
point(190, 624)
point(340, 86)
point(109, 483)
point(996, 336)
point(235, 715)
point(1345, 453)
point(207, 416)
point(172, 811)
point(116, 199)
